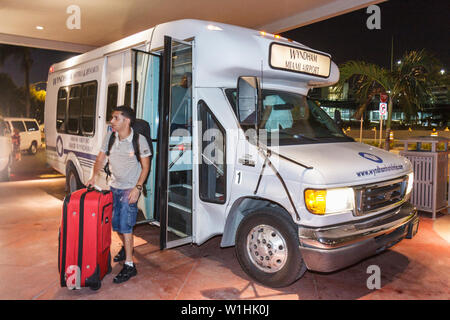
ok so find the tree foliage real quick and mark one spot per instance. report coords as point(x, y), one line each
point(12, 99)
point(408, 85)
point(23, 55)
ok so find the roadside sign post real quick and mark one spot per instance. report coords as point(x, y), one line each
point(382, 111)
point(383, 99)
point(360, 130)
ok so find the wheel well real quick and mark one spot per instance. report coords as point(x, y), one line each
point(241, 208)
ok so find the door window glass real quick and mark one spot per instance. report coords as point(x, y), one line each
point(18, 125)
point(111, 101)
point(127, 100)
point(180, 144)
point(212, 167)
point(32, 126)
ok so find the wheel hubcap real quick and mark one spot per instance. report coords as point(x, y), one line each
point(267, 248)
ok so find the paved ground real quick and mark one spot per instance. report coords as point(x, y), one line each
point(30, 216)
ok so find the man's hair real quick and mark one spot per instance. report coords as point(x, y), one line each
point(127, 112)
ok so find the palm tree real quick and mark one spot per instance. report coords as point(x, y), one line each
point(23, 54)
point(408, 84)
point(8, 94)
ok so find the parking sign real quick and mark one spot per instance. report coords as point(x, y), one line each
point(383, 108)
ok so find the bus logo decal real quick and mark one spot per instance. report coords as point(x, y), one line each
point(371, 157)
point(59, 146)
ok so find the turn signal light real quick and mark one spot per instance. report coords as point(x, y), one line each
point(315, 201)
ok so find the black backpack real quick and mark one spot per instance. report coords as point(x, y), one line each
point(139, 127)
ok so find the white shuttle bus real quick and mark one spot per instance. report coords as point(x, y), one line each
point(240, 150)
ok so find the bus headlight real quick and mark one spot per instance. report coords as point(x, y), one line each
point(410, 183)
point(330, 200)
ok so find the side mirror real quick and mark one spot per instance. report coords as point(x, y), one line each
point(248, 97)
point(338, 118)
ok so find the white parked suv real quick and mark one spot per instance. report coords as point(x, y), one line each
point(30, 135)
point(5, 151)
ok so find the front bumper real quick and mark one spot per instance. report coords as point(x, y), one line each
point(326, 249)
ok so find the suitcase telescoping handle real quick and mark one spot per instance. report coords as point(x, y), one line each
point(91, 188)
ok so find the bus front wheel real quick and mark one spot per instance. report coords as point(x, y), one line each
point(267, 248)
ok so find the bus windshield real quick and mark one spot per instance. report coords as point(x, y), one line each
point(290, 118)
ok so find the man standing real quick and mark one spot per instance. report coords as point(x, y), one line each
point(126, 183)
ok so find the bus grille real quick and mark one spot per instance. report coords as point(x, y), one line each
point(379, 196)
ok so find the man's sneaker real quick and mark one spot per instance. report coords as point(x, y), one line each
point(120, 256)
point(126, 273)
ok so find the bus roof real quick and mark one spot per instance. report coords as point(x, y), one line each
point(227, 52)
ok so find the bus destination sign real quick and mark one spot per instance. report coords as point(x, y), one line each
point(299, 60)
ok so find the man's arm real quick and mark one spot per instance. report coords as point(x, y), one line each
point(98, 165)
point(145, 163)
point(135, 193)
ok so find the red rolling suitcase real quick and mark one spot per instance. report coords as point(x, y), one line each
point(85, 239)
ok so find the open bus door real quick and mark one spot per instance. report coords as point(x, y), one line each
point(168, 109)
point(145, 101)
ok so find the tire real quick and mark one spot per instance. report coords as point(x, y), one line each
point(73, 181)
point(96, 286)
point(267, 248)
point(33, 148)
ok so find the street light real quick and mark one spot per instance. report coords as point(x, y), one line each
point(38, 83)
point(442, 71)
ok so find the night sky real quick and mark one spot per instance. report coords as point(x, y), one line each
point(414, 24)
point(42, 60)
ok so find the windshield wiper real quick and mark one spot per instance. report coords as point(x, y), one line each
point(299, 136)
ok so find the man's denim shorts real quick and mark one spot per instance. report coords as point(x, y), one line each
point(124, 213)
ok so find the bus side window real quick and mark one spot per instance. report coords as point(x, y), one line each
point(111, 102)
point(61, 110)
point(212, 167)
point(88, 108)
point(74, 109)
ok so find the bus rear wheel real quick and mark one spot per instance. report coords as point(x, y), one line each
point(267, 248)
point(73, 181)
